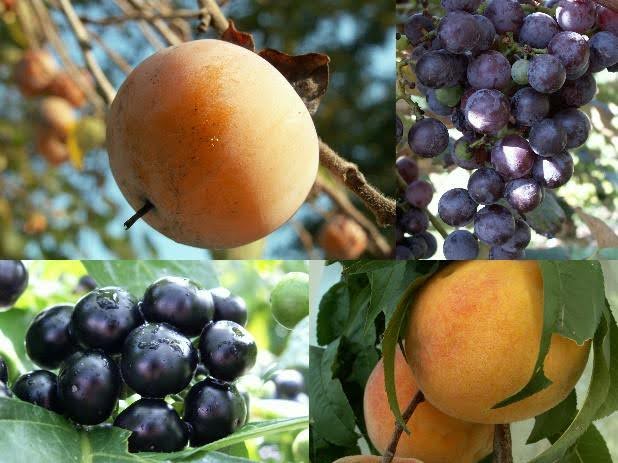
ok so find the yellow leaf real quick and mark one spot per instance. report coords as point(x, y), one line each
point(76, 155)
point(602, 233)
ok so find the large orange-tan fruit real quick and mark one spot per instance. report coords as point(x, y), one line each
point(473, 338)
point(434, 437)
point(216, 139)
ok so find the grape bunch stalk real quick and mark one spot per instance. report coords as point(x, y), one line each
point(510, 77)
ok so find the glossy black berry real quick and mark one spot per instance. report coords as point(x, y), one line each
point(229, 307)
point(4, 391)
point(89, 386)
point(86, 283)
point(39, 387)
point(155, 426)
point(288, 384)
point(157, 360)
point(48, 339)
point(13, 281)
point(103, 319)
point(214, 410)
point(179, 302)
point(227, 350)
point(4, 371)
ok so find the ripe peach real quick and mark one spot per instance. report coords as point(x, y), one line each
point(473, 338)
point(216, 140)
point(34, 72)
point(51, 146)
point(342, 238)
point(64, 86)
point(434, 437)
point(57, 114)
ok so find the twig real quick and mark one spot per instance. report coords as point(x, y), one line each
point(158, 24)
point(83, 38)
point(145, 27)
point(382, 207)
point(113, 55)
point(389, 453)
point(502, 444)
point(436, 224)
point(378, 244)
point(611, 4)
point(215, 16)
point(141, 15)
point(305, 238)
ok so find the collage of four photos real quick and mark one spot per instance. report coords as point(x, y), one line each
point(213, 249)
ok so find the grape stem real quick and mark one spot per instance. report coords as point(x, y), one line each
point(436, 224)
point(389, 453)
point(502, 444)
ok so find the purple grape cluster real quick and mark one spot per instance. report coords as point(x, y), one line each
point(511, 81)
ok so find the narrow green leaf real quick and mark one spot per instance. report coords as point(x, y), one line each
point(333, 313)
point(589, 448)
point(391, 338)
point(386, 287)
point(554, 422)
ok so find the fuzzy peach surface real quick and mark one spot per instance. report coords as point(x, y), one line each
point(434, 437)
point(216, 139)
point(473, 338)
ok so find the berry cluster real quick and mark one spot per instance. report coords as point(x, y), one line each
point(110, 345)
point(511, 84)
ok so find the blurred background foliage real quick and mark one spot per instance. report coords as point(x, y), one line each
point(593, 188)
point(54, 282)
point(76, 209)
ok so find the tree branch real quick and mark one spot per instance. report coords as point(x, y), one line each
point(502, 444)
point(389, 453)
point(145, 27)
point(611, 4)
point(141, 15)
point(215, 16)
point(113, 55)
point(382, 207)
point(158, 24)
point(83, 38)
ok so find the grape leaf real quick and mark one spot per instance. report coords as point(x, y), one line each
point(547, 219)
point(137, 275)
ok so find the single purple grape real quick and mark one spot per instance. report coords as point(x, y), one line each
point(553, 172)
point(456, 207)
point(494, 224)
point(512, 157)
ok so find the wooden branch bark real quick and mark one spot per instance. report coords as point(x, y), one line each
point(382, 207)
point(502, 444)
point(216, 16)
point(144, 26)
point(160, 25)
point(113, 55)
point(389, 453)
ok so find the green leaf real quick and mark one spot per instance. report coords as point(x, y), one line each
point(367, 266)
point(330, 408)
point(589, 448)
point(610, 405)
point(333, 313)
point(391, 339)
point(555, 421)
point(386, 288)
point(249, 431)
point(574, 290)
point(137, 275)
point(14, 324)
point(597, 393)
point(296, 352)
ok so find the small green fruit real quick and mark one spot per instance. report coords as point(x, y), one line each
point(300, 447)
point(519, 71)
point(289, 300)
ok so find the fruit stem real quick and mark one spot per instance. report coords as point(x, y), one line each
point(389, 453)
point(502, 444)
point(146, 208)
point(436, 224)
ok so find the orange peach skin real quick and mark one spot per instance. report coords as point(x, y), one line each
point(216, 139)
point(473, 339)
point(434, 437)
